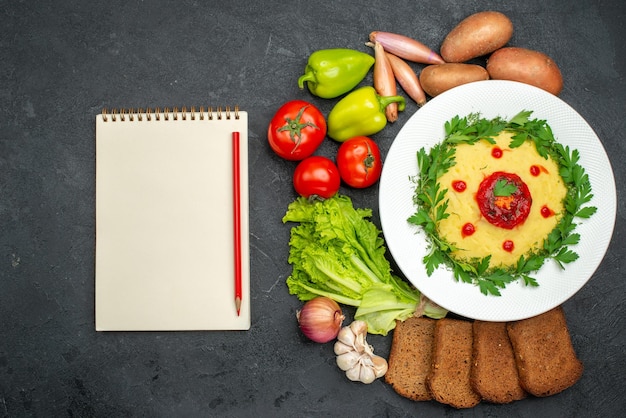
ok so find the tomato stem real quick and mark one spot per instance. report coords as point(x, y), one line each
point(295, 127)
point(369, 161)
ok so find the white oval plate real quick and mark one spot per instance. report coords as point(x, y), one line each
point(408, 244)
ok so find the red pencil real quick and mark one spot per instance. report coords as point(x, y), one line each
point(237, 220)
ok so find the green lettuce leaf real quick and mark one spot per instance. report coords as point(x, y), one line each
point(336, 251)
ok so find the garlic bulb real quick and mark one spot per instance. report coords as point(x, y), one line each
point(356, 357)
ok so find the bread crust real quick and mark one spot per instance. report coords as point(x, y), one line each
point(449, 379)
point(546, 361)
point(410, 358)
point(494, 371)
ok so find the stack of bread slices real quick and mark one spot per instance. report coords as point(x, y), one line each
point(461, 363)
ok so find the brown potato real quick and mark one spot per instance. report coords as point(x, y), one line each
point(477, 35)
point(526, 66)
point(435, 79)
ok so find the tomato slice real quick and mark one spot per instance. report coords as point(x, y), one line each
point(296, 130)
point(504, 199)
point(359, 162)
point(316, 176)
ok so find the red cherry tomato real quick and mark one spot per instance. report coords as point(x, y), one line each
point(468, 230)
point(316, 176)
point(359, 163)
point(459, 186)
point(296, 130)
point(508, 245)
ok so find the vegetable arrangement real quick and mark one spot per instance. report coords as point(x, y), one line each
point(298, 127)
point(337, 253)
point(486, 34)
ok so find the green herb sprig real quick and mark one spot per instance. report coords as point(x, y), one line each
point(431, 203)
point(503, 188)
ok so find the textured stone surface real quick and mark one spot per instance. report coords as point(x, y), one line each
point(61, 62)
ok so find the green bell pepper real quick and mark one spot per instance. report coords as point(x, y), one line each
point(333, 72)
point(360, 113)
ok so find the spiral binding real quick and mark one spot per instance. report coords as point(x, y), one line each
point(167, 113)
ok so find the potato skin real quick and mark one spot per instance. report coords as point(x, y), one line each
point(435, 79)
point(477, 35)
point(526, 66)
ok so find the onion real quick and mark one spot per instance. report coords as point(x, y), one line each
point(407, 79)
point(384, 80)
point(405, 47)
point(320, 319)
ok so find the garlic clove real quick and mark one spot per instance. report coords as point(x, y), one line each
point(358, 327)
point(367, 374)
point(346, 336)
point(354, 373)
point(348, 360)
point(366, 360)
point(341, 348)
point(368, 349)
point(380, 365)
point(360, 343)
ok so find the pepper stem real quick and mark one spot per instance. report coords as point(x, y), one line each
point(307, 76)
point(387, 100)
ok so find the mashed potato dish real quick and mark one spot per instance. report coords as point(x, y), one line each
point(502, 201)
point(497, 198)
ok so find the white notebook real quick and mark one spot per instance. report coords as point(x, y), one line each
point(165, 237)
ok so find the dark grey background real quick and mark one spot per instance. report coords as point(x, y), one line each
point(61, 62)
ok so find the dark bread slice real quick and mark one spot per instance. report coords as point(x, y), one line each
point(494, 371)
point(545, 358)
point(410, 357)
point(449, 379)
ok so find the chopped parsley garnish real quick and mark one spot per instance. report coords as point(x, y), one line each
point(503, 188)
point(431, 202)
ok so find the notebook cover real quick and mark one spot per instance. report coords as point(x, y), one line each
point(164, 224)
